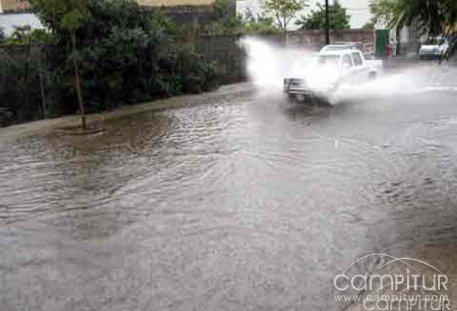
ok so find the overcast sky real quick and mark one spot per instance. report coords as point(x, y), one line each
point(358, 9)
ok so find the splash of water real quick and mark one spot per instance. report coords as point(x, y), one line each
point(268, 64)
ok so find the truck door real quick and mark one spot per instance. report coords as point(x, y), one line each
point(360, 71)
point(349, 73)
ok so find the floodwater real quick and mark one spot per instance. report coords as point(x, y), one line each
point(244, 203)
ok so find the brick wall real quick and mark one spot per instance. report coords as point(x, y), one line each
point(315, 39)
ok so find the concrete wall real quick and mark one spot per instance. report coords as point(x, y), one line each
point(188, 15)
point(195, 15)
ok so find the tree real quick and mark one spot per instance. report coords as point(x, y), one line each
point(128, 56)
point(339, 19)
point(283, 10)
point(25, 35)
point(392, 13)
point(261, 25)
point(66, 16)
point(368, 26)
point(432, 15)
point(395, 14)
point(224, 22)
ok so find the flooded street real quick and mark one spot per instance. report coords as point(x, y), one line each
point(243, 203)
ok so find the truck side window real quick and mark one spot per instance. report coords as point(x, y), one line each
point(357, 59)
point(347, 61)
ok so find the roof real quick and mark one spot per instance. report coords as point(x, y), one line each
point(337, 52)
point(15, 5)
point(175, 3)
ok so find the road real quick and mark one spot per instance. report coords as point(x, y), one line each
point(243, 203)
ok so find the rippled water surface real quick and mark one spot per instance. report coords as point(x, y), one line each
point(240, 204)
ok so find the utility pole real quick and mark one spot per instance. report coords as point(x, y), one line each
point(327, 24)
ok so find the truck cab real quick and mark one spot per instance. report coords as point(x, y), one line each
point(331, 69)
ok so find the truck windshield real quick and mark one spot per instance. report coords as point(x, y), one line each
point(328, 60)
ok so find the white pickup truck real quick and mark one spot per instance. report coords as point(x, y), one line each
point(330, 70)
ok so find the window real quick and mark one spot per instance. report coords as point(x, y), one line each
point(357, 59)
point(328, 60)
point(347, 61)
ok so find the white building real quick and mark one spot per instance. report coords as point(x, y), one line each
point(9, 21)
point(243, 6)
point(15, 13)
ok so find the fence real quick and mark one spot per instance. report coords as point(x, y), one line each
point(315, 39)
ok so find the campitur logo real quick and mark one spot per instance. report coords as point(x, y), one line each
point(384, 282)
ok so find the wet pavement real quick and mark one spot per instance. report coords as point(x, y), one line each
point(243, 203)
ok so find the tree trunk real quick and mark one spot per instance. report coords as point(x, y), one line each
point(398, 35)
point(78, 82)
point(43, 98)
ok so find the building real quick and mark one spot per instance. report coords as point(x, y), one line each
point(15, 13)
point(14, 6)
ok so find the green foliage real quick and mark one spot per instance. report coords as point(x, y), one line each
point(161, 21)
point(125, 54)
point(232, 26)
point(18, 93)
point(224, 23)
point(262, 26)
point(436, 17)
point(338, 18)
point(123, 60)
point(57, 14)
point(392, 13)
point(431, 14)
point(283, 10)
point(24, 35)
point(122, 54)
point(368, 26)
point(223, 10)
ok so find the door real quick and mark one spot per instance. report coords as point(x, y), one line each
point(382, 41)
point(360, 70)
point(349, 72)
